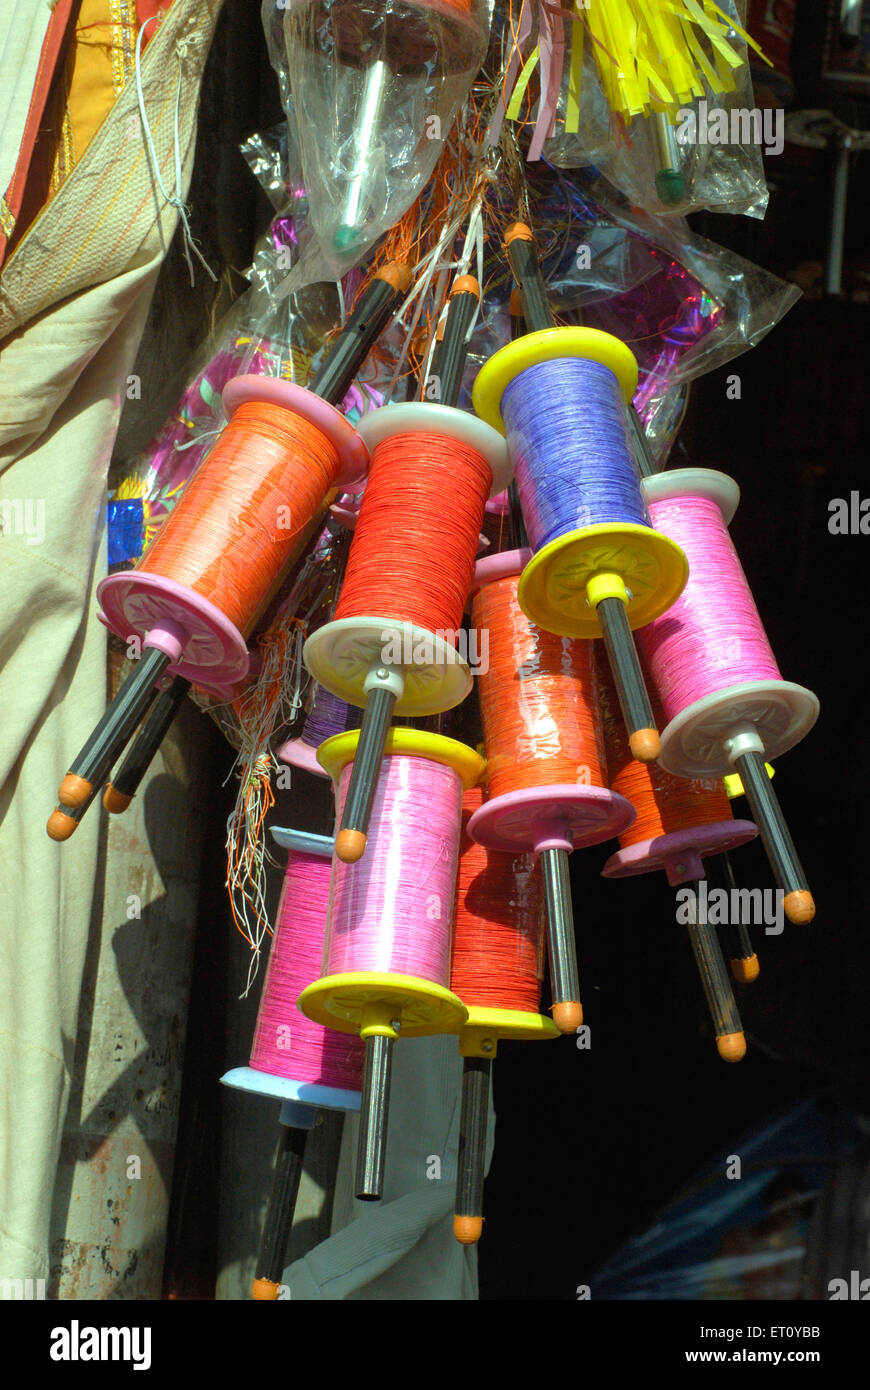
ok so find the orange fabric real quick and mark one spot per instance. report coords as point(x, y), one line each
point(100, 48)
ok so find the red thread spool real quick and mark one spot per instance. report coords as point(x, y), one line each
point(498, 943)
point(416, 539)
point(539, 699)
point(411, 560)
point(678, 819)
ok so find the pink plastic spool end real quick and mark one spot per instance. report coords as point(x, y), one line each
point(563, 817)
point(681, 853)
point(211, 649)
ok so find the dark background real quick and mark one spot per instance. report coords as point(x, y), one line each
point(591, 1144)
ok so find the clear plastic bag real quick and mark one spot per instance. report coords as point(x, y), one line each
point(664, 163)
point(683, 305)
point(370, 93)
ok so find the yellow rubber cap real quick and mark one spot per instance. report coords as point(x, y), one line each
point(745, 970)
point(568, 1016)
point(74, 791)
point(731, 1047)
point(115, 801)
point(60, 826)
point(799, 906)
point(468, 1229)
point(264, 1291)
point(645, 745)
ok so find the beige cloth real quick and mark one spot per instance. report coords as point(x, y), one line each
point(73, 303)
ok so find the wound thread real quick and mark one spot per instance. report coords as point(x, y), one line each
point(712, 637)
point(392, 911)
point(538, 699)
point(240, 517)
point(498, 944)
point(416, 539)
point(566, 429)
point(286, 1043)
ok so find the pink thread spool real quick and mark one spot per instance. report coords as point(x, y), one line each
point(727, 706)
point(388, 935)
point(551, 821)
point(202, 644)
point(292, 1058)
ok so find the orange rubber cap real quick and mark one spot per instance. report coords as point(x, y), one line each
point(60, 826)
point(645, 745)
point(264, 1291)
point(799, 906)
point(518, 231)
point(468, 1229)
point(745, 970)
point(350, 845)
point(465, 284)
point(115, 801)
point(396, 273)
point(74, 791)
point(731, 1047)
point(568, 1016)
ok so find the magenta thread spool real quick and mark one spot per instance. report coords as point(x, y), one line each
point(386, 956)
point(550, 819)
point(292, 1058)
point(726, 703)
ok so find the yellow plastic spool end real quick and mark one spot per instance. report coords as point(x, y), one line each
point(647, 570)
point(549, 345)
point(734, 786)
point(376, 1001)
point(484, 1029)
point(335, 753)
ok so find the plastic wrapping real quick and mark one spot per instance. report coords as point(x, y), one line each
point(655, 171)
point(683, 305)
point(370, 91)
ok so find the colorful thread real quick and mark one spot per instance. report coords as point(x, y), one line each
point(286, 1043)
point(498, 943)
point(566, 430)
point(416, 539)
point(538, 699)
point(240, 518)
point(393, 910)
point(712, 637)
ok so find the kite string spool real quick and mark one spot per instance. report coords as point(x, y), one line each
point(327, 715)
point(416, 539)
point(393, 910)
point(566, 429)
point(664, 804)
point(539, 699)
point(712, 637)
point(286, 1043)
point(498, 945)
point(227, 539)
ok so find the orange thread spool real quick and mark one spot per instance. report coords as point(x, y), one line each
point(664, 804)
point(538, 700)
point(498, 944)
point(416, 538)
point(226, 539)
